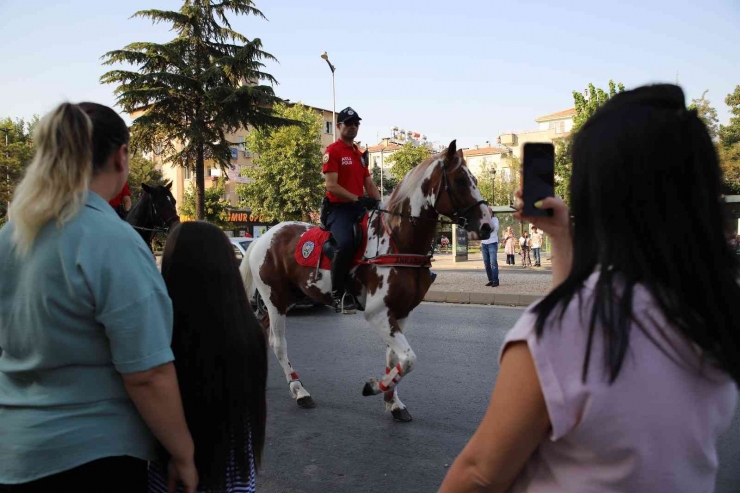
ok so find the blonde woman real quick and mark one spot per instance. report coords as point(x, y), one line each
point(87, 379)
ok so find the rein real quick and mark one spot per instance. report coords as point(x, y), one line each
point(414, 259)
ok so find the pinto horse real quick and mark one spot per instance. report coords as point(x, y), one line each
point(154, 212)
point(404, 229)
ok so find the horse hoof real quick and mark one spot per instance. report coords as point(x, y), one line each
point(367, 390)
point(401, 415)
point(306, 402)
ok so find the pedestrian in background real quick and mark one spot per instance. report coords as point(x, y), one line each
point(221, 360)
point(489, 248)
point(625, 375)
point(526, 244)
point(510, 245)
point(536, 241)
point(86, 374)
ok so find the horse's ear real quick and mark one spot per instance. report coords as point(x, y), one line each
point(462, 156)
point(366, 158)
point(147, 188)
point(168, 185)
point(451, 151)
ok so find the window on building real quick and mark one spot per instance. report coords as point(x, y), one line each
point(328, 127)
point(186, 173)
point(506, 174)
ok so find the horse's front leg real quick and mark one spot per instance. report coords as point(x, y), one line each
point(392, 401)
point(400, 358)
point(279, 346)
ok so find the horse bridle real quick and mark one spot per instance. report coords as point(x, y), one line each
point(167, 222)
point(155, 218)
point(458, 214)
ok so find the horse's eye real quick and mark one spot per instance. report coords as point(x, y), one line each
point(461, 182)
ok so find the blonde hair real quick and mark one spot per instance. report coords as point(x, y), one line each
point(56, 182)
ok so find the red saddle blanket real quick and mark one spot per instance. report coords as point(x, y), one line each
point(310, 245)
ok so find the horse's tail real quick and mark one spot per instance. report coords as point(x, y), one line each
point(246, 272)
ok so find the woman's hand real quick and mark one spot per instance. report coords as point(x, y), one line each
point(557, 225)
point(182, 472)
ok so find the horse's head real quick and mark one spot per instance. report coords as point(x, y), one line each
point(162, 205)
point(457, 194)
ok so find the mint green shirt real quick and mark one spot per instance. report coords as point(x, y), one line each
point(85, 306)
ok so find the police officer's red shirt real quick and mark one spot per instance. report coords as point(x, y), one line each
point(346, 161)
point(116, 201)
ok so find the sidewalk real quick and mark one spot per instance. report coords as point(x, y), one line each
point(464, 282)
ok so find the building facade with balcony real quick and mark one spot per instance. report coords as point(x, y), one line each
point(552, 128)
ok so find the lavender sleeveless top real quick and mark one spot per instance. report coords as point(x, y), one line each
point(654, 429)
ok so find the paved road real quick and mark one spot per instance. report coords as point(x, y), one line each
point(349, 444)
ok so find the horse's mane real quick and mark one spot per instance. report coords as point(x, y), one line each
point(138, 212)
point(410, 182)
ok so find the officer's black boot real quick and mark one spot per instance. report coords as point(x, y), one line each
point(343, 302)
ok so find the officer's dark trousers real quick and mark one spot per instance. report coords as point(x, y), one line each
point(341, 221)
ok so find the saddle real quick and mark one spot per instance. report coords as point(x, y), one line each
point(316, 247)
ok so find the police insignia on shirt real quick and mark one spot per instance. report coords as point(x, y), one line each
point(326, 157)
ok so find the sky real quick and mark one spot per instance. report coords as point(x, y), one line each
point(466, 70)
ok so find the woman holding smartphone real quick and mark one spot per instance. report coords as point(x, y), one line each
point(624, 376)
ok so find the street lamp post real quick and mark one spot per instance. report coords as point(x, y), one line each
point(325, 56)
point(493, 186)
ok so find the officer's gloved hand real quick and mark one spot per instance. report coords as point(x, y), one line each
point(368, 202)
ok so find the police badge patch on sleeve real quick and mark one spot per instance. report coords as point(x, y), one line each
point(326, 157)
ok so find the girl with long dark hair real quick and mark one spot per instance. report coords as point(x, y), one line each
point(220, 357)
point(624, 376)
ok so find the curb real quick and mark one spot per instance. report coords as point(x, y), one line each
point(462, 298)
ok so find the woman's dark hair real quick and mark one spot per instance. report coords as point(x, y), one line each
point(109, 132)
point(646, 207)
point(220, 351)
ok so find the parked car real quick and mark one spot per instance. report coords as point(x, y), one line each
point(240, 246)
point(240, 249)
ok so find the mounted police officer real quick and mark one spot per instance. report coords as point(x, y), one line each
point(347, 178)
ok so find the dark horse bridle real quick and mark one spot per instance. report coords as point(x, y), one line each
point(161, 224)
point(459, 212)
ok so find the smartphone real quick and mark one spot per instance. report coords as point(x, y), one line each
point(538, 177)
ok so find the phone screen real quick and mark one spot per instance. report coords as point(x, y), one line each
point(538, 177)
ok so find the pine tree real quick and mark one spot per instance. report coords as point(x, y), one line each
point(188, 93)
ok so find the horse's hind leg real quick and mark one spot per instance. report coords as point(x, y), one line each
point(280, 348)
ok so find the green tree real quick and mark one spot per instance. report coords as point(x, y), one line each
point(141, 170)
point(729, 135)
point(729, 144)
point(406, 158)
point(16, 152)
point(189, 92)
point(706, 113)
point(389, 181)
point(286, 180)
point(586, 106)
point(215, 204)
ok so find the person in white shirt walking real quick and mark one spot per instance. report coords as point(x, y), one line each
point(489, 248)
point(536, 245)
